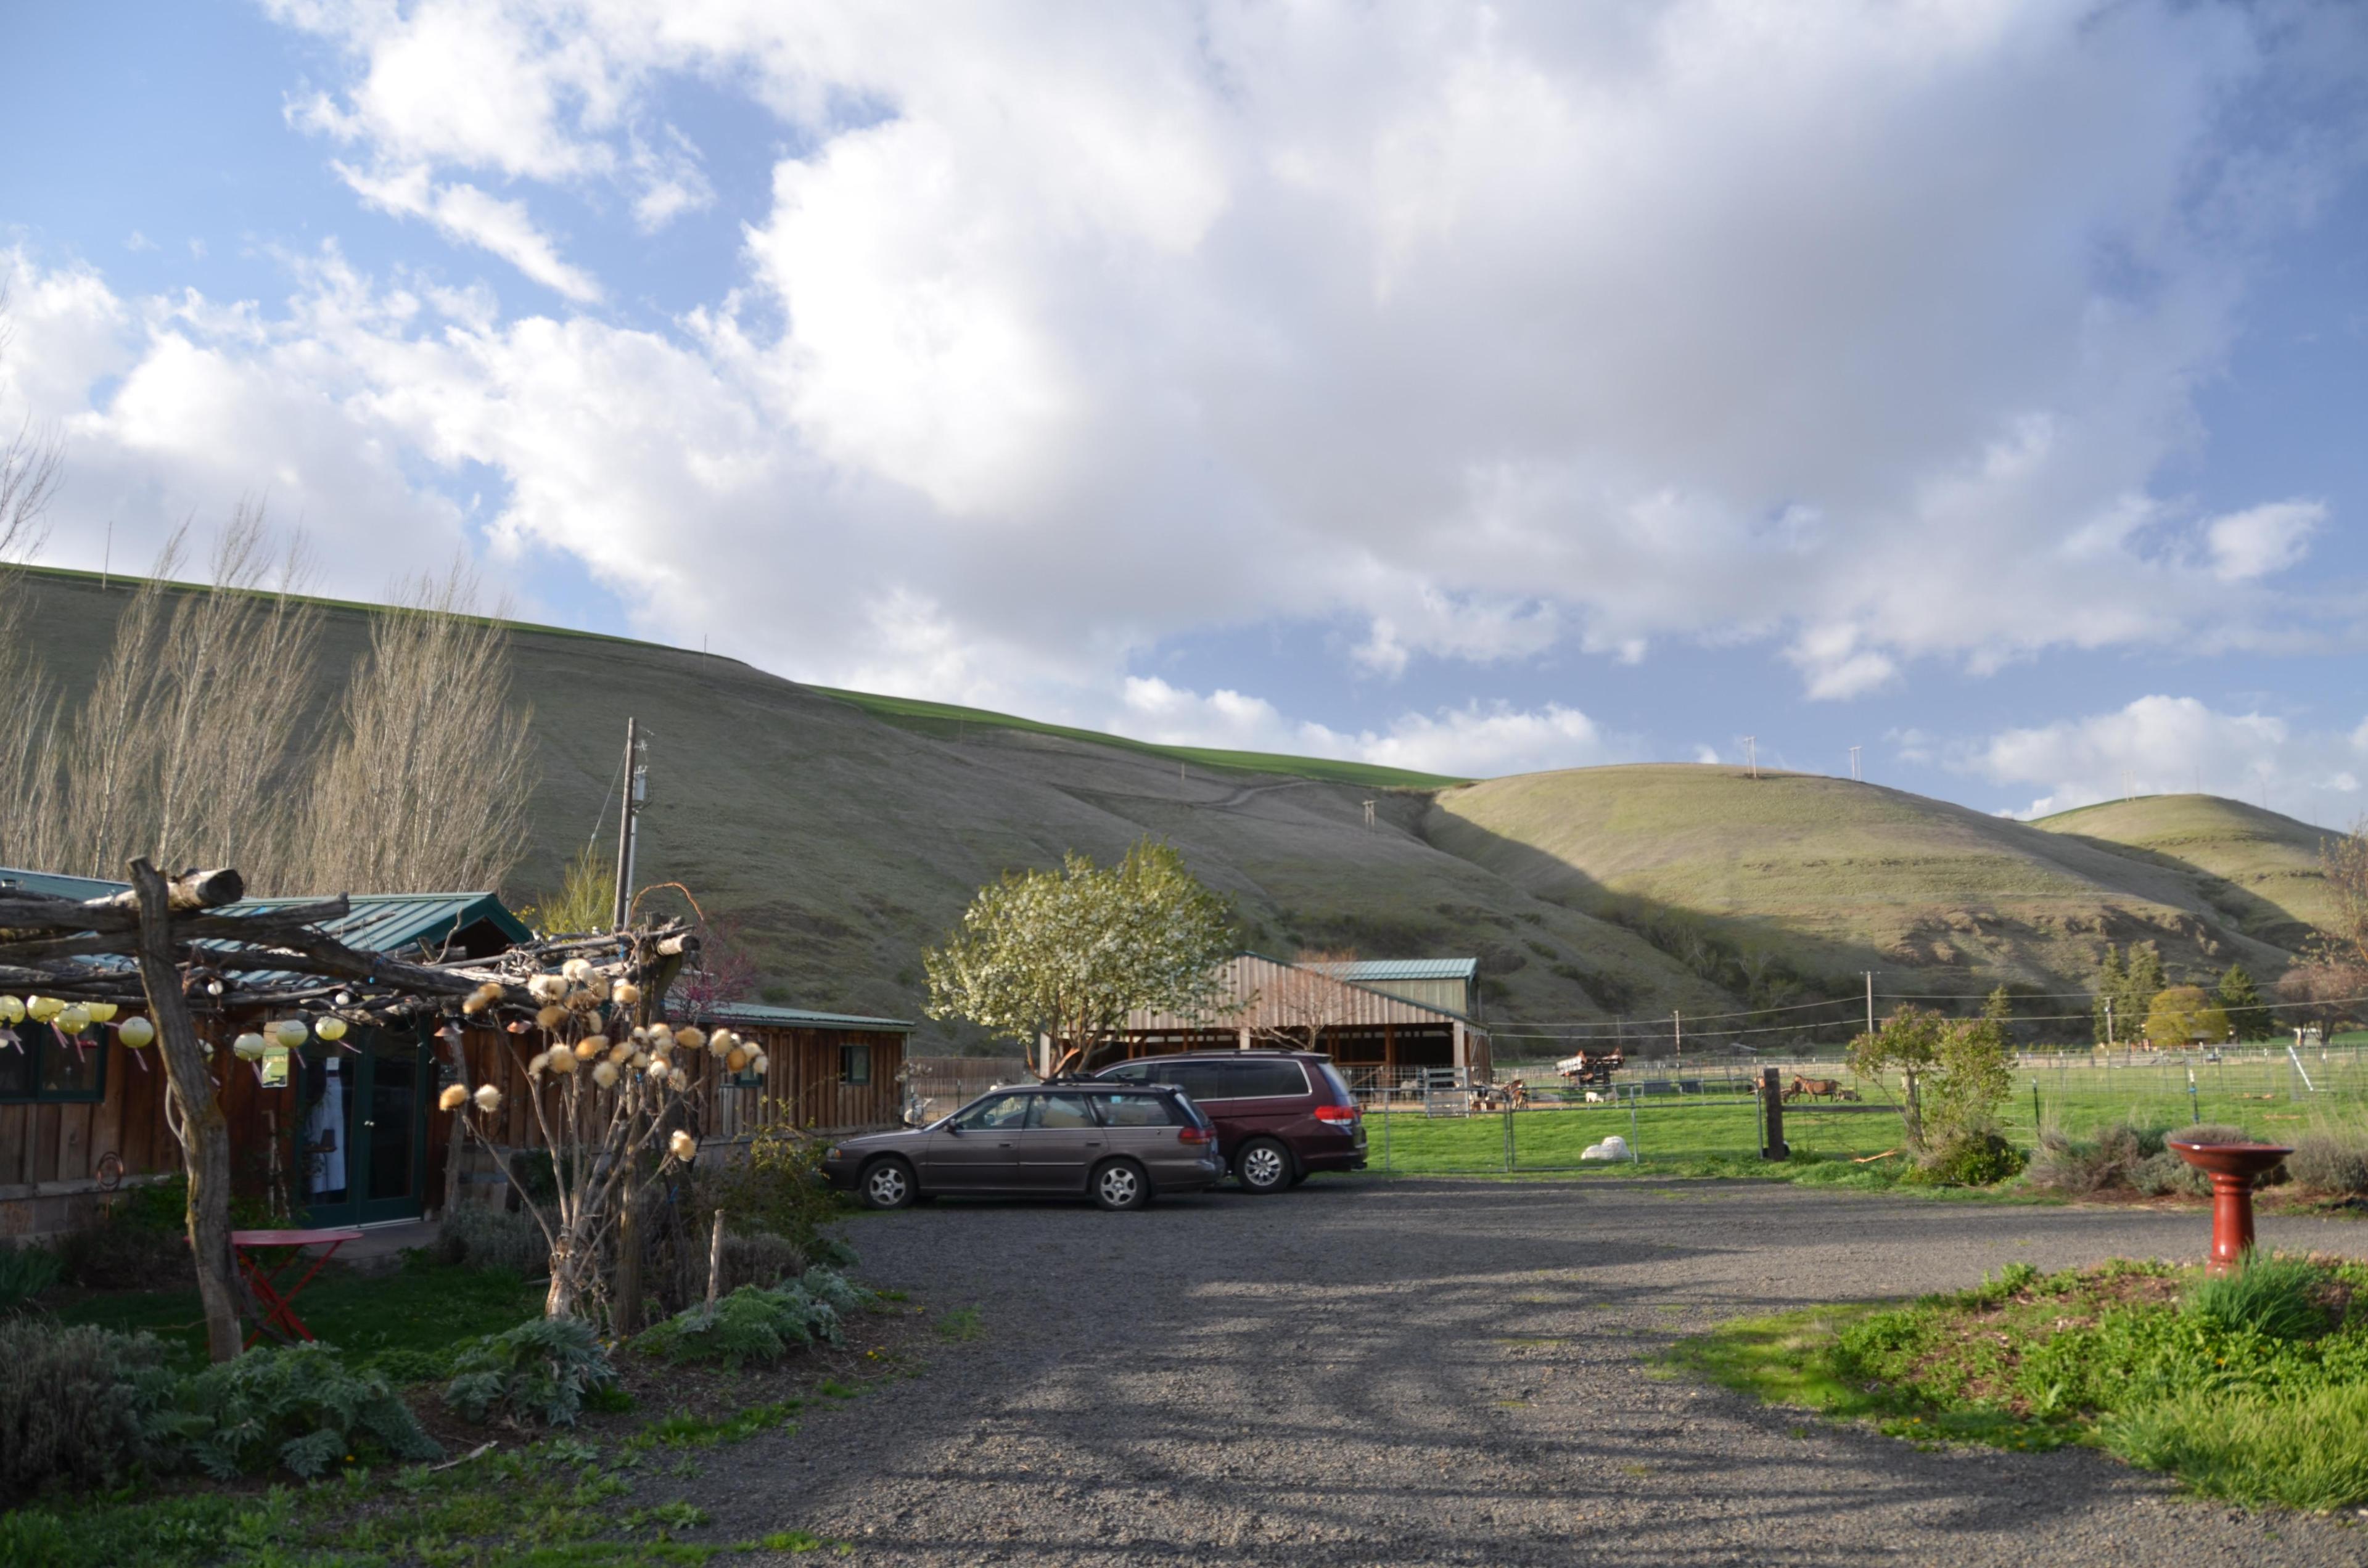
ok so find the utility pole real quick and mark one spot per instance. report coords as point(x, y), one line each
point(1751, 755)
point(1855, 777)
point(1678, 1021)
point(1369, 813)
point(637, 789)
point(2109, 1025)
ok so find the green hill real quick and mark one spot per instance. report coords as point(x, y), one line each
point(1827, 877)
point(2259, 868)
point(843, 831)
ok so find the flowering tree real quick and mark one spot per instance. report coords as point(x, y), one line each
point(1955, 1075)
point(1067, 954)
point(607, 1093)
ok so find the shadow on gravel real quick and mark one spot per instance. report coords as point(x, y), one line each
point(1416, 1373)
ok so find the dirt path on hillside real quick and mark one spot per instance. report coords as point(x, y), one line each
point(1430, 1373)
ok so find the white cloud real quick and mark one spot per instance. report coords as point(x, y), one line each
point(1477, 740)
point(2174, 745)
point(2262, 539)
point(1481, 331)
point(465, 214)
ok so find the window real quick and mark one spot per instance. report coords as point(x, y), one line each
point(1061, 1111)
point(41, 1066)
point(855, 1063)
point(1135, 1110)
point(996, 1113)
point(1131, 1072)
point(1253, 1079)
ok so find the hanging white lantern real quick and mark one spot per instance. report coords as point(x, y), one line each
point(100, 1012)
point(43, 1008)
point(289, 1033)
point(137, 1033)
point(332, 1029)
point(74, 1018)
point(12, 1010)
point(248, 1047)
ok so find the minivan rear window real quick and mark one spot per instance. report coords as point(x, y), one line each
point(1340, 1085)
point(1253, 1079)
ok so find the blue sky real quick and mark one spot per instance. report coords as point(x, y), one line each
point(1473, 389)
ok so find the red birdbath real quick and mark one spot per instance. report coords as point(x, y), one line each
point(2233, 1167)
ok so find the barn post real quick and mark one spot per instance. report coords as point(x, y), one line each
point(204, 1134)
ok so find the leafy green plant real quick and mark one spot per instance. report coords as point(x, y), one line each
point(1970, 1159)
point(2305, 1452)
point(78, 1405)
point(753, 1324)
point(25, 1273)
point(300, 1407)
point(539, 1371)
point(2283, 1297)
point(2165, 1173)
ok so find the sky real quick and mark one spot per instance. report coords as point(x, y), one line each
point(1476, 388)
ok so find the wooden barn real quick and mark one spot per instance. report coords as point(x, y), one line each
point(1374, 1036)
point(348, 1132)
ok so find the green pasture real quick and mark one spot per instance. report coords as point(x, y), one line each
point(2265, 1096)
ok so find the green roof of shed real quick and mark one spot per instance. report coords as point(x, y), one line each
point(54, 885)
point(406, 923)
point(763, 1015)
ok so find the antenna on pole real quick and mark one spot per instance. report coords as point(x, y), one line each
point(1855, 776)
point(1751, 755)
point(637, 789)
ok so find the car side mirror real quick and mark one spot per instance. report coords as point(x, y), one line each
point(950, 1127)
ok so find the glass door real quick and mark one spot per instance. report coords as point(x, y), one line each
point(363, 1139)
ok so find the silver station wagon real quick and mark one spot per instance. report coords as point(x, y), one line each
point(1118, 1144)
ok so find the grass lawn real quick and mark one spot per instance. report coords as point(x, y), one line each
point(2253, 1387)
point(400, 1324)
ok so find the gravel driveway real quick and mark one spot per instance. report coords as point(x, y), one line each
point(1369, 1372)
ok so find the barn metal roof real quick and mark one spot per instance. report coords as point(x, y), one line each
point(1364, 970)
point(411, 925)
point(56, 886)
point(761, 1014)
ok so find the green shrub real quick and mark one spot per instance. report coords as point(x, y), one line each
point(775, 1186)
point(1970, 1159)
point(2208, 1133)
point(25, 1273)
point(2330, 1166)
point(760, 1258)
point(539, 1371)
point(475, 1235)
point(753, 1324)
point(300, 1407)
point(78, 1406)
point(141, 1240)
point(2283, 1297)
point(2163, 1175)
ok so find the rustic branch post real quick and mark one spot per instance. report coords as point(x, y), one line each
point(715, 1261)
point(203, 1132)
point(456, 1151)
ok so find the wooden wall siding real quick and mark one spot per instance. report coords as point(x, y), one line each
point(1252, 993)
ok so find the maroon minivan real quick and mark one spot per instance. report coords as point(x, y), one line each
point(1280, 1115)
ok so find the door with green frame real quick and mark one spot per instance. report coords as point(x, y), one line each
point(362, 1128)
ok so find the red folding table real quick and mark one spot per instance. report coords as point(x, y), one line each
point(279, 1309)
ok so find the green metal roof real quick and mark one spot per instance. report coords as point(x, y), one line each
point(79, 889)
point(1365, 969)
point(408, 924)
point(760, 1014)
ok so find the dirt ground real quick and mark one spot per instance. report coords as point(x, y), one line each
point(1364, 1371)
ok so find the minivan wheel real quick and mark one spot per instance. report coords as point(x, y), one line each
point(1122, 1185)
point(1265, 1166)
point(886, 1184)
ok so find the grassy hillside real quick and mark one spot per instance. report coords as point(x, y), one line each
point(843, 843)
point(843, 833)
point(2259, 868)
point(1827, 877)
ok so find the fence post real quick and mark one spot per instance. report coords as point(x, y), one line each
point(1771, 1115)
point(1509, 1137)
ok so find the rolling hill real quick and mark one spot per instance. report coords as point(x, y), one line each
point(2259, 869)
point(842, 833)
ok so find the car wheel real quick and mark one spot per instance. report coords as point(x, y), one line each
point(1298, 1176)
point(886, 1184)
point(1264, 1166)
point(1121, 1183)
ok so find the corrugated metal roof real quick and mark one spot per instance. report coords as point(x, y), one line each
point(412, 925)
point(1402, 968)
point(1263, 993)
point(758, 1015)
point(56, 886)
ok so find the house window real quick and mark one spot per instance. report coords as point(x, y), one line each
point(41, 1066)
point(855, 1063)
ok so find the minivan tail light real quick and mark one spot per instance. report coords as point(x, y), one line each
point(1195, 1135)
point(1336, 1113)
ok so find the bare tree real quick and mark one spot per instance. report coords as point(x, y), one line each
point(29, 704)
point(113, 748)
point(427, 787)
point(31, 466)
point(2345, 863)
point(1306, 998)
